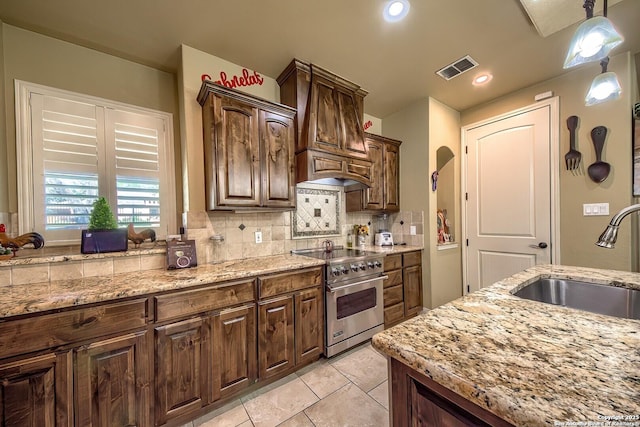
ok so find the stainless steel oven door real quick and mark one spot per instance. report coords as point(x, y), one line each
point(353, 308)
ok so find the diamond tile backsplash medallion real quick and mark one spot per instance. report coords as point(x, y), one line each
point(317, 213)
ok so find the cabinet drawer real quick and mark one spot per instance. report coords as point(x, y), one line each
point(393, 295)
point(392, 262)
point(395, 278)
point(412, 258)
point(200, 300)
point(53, 330)
point(277, 284)
point(393, 313)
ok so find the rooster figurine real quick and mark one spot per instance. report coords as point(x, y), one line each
point(33, 238)
point(138, 238)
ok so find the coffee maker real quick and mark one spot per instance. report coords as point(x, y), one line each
point(383, 236)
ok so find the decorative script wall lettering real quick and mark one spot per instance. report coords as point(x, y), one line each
point(248, 78)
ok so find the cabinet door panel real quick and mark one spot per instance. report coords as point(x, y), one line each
point(234, 357)
point(36, 392)
point(351, 127)
point(278, 186)
point(113, 382)
point(281, 283)
point(309, 307)
point(393, 314)
point(374, 194)
point(391, 177)
point(412, 279)
point(181, 357)
point(429, 409)
point(324, 117)
point(237, 152)
point(275, 336)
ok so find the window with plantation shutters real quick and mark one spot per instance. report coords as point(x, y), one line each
point(73, 149)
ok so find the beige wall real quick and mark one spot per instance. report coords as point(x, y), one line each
point(578, 233)
point(4, 184)
point(445, 265)
point(44, 60)
point(411, 126)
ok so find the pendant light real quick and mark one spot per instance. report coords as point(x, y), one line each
point(605, 86)
point(593, 39)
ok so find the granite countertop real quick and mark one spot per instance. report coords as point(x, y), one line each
point(527, 362)
point(397, 249)
point(24, 299)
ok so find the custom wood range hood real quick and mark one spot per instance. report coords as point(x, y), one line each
point(330, 143)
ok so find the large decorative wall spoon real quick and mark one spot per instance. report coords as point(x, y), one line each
point(599, 171)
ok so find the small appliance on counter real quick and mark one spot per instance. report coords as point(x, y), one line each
point(383, 236)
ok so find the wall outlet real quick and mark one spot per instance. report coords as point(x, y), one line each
point(595, 209)
point(258, 235)
point(412, 230)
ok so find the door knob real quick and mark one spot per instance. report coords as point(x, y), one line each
point(541, 245)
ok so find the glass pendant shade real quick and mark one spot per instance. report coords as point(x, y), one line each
point(592, 41)
point(605, 87)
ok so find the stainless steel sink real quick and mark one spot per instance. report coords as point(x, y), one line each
point(609, 300)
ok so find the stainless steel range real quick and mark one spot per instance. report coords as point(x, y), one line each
point(353, 295)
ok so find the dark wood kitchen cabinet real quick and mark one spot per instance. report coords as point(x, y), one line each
point(37, 391)
point(336, 116)
point(234, 358)
point(412, 281)
point(291, 321)
point(113, 382)
point(163, 359)
point(87, 364)
point(403, 287)
point(393, 290)
point(384, 193)
point(276, 352)
point(330, 137)
point(417, 400)
point(248, 150)
point(182, 352)
point(210, 354)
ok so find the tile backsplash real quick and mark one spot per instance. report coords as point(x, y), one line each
point(234, 239)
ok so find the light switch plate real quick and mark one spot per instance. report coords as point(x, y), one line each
point(412, 230)
point(258, 235)
point(595, 209)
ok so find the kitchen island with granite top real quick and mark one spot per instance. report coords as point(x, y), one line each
point(492, 358)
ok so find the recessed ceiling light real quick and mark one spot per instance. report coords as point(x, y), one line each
point(482, 79)
point(395, 10)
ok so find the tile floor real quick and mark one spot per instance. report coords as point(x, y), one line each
point(347, 390)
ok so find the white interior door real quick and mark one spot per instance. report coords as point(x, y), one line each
point(508, 220)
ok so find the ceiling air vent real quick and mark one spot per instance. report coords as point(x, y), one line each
point(457, 68)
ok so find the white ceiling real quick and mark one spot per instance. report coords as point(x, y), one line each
point(396, 62)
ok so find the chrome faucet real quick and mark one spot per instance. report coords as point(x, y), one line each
point(608, 237)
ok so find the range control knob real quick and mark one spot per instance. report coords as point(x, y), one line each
point(362, 267)
point(378, 264)
point(370, 264)
point(345, 270)
point(354, 267)
point(335, 271)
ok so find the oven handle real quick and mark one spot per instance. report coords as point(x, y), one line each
point(333, 290)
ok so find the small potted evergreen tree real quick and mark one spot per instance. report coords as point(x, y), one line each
point(103, 234)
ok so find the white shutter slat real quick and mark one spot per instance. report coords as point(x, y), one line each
point(68, 139)
point(137, 167)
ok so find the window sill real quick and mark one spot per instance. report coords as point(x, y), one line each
point(447, 246)
point(55, 254)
